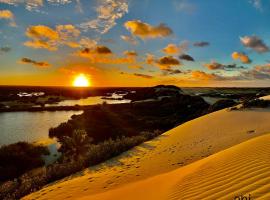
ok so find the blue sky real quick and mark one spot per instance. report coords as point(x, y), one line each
point(26, 29)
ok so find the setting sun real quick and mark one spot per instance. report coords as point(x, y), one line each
point(81, 81)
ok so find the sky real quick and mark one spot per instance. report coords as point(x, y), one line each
point(188, 43)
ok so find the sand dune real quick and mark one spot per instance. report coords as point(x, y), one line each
point(242, 170)
point(178, 147)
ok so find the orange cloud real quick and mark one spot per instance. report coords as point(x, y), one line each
point(146, 31)
point(102, 54)
point(130, 53)
point(8, 15)
point(242, 57)
point(167, 62)
point(136, 67)
point(204, 76)
point(150, 59)
point(47, 38)
point(214, 65)
point(171, 49)
point(39, 64)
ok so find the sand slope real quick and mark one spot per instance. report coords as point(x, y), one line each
point(240, 170)
point(178, 147)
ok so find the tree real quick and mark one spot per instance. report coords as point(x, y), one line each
point(76, 145)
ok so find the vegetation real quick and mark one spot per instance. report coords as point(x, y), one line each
point(221, 104)
point(256, 103)
point(112, 121)
point(105, 131)
point(16, 159)
point(76, 158)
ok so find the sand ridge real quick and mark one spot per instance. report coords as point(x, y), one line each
point(178, 147)
point(241, 170)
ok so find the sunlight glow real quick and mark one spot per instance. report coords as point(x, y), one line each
point(81, 81)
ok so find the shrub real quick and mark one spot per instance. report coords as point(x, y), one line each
point(76, 145)
point(258, 103)
point(15, 159)
point(93, 154)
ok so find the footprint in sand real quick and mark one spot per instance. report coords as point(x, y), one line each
point(251, 131)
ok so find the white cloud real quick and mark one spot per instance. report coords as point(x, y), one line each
point(257, 4)
point(108, 11)
point(34, 5)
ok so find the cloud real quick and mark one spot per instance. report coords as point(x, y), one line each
point(129, 39)
point(34, 5)
point(108, 11)
point(218, 66)
point(214, 65)
point(103, 50)
point(186, 57)
point(185, 6)
point(146, 31)
point(257, 4)
point(242, 57)
point(263, 68)
point(44, 37)
point(4, 49)
point(171, 49)
point(86, 42)
point(143, 76)
point(200, 75)
point(102, 54)
point(170, 71)
point(136, 67)
point(254, 74)
point(201, 44)
point(254, 43)
point(130, 53)
point(39, 64)
point(8, 15)
point(150, 59)
point(167, 62)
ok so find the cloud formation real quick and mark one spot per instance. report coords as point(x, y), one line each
point(103, 54)
point(129, 39)
point(44, 37)
point(108, 11)
point(242, 57)
point(34, 5)
point(146, 31)
point(167, 62)
point(4, 49)
point(218, 66)
point(186, 57)
point(39, 64)
point(8, 15)
point(171, 49)
point(201, 44)
point(130, 53)
point(98, 50)
point(257, 4)
point(143, 76)
point(170, 71)
point(200, 75)
point(254, 43)
point(184, 6)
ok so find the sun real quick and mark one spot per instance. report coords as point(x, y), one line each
point(81, 81)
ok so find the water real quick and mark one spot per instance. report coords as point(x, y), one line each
point(34, 126)
point(89, 101)
point(30, 126)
